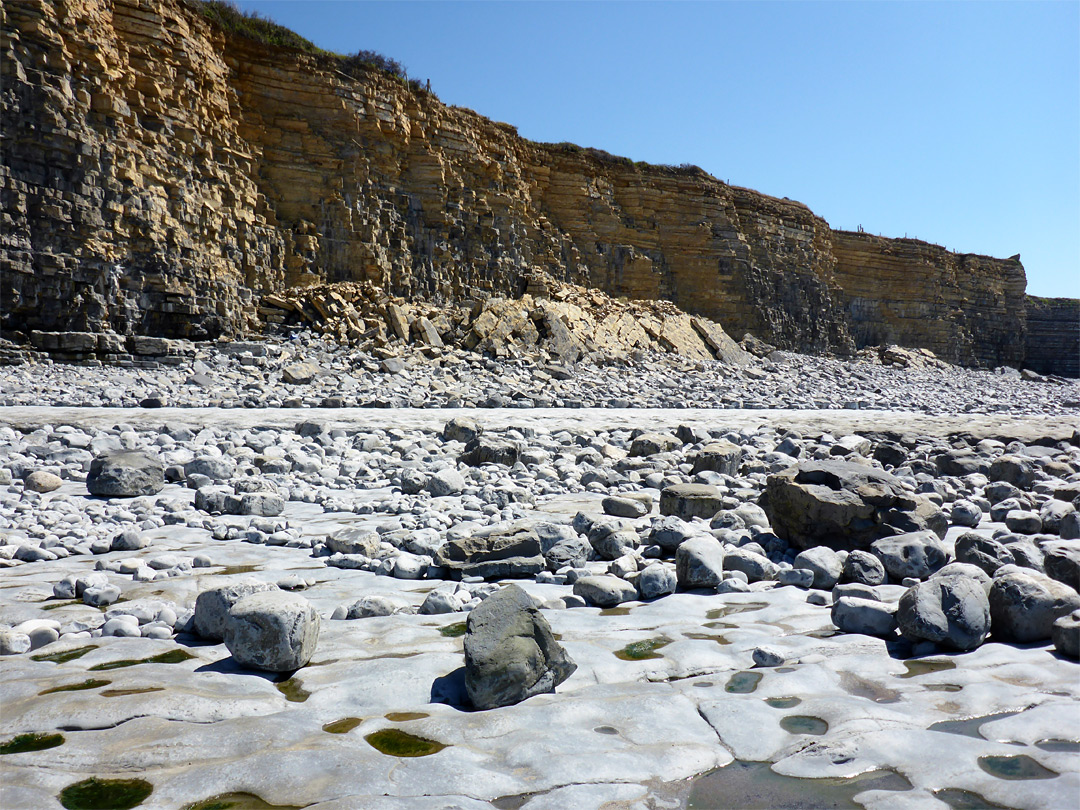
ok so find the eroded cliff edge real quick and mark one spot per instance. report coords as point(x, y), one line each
point(159, 177)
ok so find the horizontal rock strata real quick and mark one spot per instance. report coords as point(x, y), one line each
point(160, 177)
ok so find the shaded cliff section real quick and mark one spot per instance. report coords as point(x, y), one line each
point(1052, 341)
point(160, 177)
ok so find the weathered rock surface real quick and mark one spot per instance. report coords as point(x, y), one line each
point(951, 610)
point(510, 652)
point(510, 553)
point(836, 503)
point(1025, 604)
point(101, 253)
point(272, 630)
point(212, 606)
point(125, 474)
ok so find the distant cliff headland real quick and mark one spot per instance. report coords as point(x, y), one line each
point(167, 163)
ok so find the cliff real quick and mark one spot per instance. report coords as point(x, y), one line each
point(1052, 341)
point(160, 177)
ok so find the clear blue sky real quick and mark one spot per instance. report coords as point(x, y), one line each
point(957, 123)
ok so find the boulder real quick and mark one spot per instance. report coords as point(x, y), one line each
point(445, 482)
point(918, 554)
point(212, 606)
point(965, 513)
point(627, 506)
point(719, 457)
point(216, 468)
point(490, 450)
point(41, 481)
point(757, 567)
point(826, 564)
point(354, 541)
point(510, 652)
point(984, 552)
point(1062, 561)
point(952, 611)
point(869, 617)
point(1019, 471)
point(605, 591)
point(1024, 604)
point(656, 580)
point(688, 501)
point(841, 504)
point(300, 373)
point(125, 474)
point(505, 553)
point(1065, 633)
point(670, 532)
point(272, 630)
point(965, 570)
point(374, 606)
point(649, 444)
point(609, 544)
point(571, 551)
point(699, 563)
point(864, 568)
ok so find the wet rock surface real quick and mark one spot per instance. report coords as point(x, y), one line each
point(649, 571)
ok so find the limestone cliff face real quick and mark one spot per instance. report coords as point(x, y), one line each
point(159, 177)
point(1052, 343)
point(965, 308)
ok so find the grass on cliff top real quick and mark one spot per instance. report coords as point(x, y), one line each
point(251, 25)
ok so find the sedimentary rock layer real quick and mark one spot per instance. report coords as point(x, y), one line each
point(1053, 336)
point(160, 177)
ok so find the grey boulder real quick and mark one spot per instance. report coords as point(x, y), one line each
point(272, 630)
point(605, 591)
point(699, 563)
point(688, 501)
point(864, 568)
point(212, 606)
point(125, 474)
point(826, 564)
point(1024, 604)
point(510, 652)
point(869, 617)
point(656, 580)
point(918, 554)
point(952, 610)
point(506, 553)
point(1065, 633)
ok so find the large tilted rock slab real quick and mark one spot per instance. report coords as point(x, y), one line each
point(274, 631)
point(510, 652)
point(125, 474)
point(511, 553)
point(843, 504)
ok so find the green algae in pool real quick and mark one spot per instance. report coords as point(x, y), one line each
point(642, 650)
point(31, 742)
point(924, 666)
point(942, 687)
point(238, 801)
point(64, 656)
point(783, 702)
point(453, 630)
point(396, 743)
point(65, 603)
point(742, 683)
point(342, 726)
point(170, 657)
point(606, 730)
point(134, 691)
point(401, 717)
point(803, 724)
point(755, 786)
point(615, 611)
point(105, 794)
point(966, 800)
point(1017, 767)
point(293, 691)
point(91, 683)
